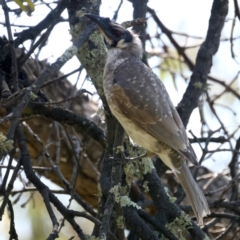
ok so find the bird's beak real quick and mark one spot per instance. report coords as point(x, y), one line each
point(106, 28)
point(95, 18)
point(103, 23)
point(112, 31)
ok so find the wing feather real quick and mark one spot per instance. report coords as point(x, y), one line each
point(142, 97)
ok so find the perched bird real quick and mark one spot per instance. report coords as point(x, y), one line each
point(140, 102)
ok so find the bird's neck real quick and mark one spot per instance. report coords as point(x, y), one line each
point(116, 55)
point(135, 47)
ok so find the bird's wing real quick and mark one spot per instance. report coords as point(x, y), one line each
point(141, 96)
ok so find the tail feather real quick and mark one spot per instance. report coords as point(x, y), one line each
point(193, 192)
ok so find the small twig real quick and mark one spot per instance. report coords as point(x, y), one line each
point(9, 188)
point(224, 234)
point(224, 215)
point(12, 231)
point(34, 168)
point(69, 99)
point(76, 158)
point(5, 178)
point(236, 8)
point(138, 21)
point(225, 89)
point(33, 32)
point(233, 170)
point(12, 99)
point(61, 78)
point(85, 205)
point(33, 189)
point(125, 160)
point(226, 86)
point(40, 40)
point(231, 39)
point(228, 185)
point(117, 11)
point(55, 168)
point(231, 206)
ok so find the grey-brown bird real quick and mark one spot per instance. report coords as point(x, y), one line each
point(140, 102)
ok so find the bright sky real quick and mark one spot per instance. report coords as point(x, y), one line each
point(185, 16)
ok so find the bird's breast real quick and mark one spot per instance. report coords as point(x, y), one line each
point(137, 134)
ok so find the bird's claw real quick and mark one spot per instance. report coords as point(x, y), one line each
point(125, 160)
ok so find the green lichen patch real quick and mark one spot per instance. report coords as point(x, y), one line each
point(126, 201)
point(119, 149)
point(179, 226)
point(33, 96)
point(120, 222)
point(99, 191)
point(136, 169)
point(198, 85)
point(115, 191)
point(145, 186)
point(97, 39)
point(132, 171)
point(147, 165)
point(171, 198)
point(6, 145)
point(134, 150)
point(81, 12)
point(124, 190)
point(123, 200)
point(68, 54)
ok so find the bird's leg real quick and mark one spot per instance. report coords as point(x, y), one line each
point(119, 150)
point(132, 159)
point(125, 160)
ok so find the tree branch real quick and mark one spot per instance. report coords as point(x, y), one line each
point(203, 64)
point(33, 32)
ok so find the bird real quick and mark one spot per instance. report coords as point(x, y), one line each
point(140, 102)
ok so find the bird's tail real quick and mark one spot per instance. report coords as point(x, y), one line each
point(193, 192)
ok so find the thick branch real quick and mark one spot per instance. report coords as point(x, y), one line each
point(204, 61)
point(204, 58)
point(64, 116)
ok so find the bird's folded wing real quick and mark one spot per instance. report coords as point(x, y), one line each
point(142, 97)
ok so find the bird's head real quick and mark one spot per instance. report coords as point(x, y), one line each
point(115, 34)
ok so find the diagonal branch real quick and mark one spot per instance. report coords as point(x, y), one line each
point(64, 116)
point(203, 64)
point(33, 32)
point(204, 58)
point(47, 195)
